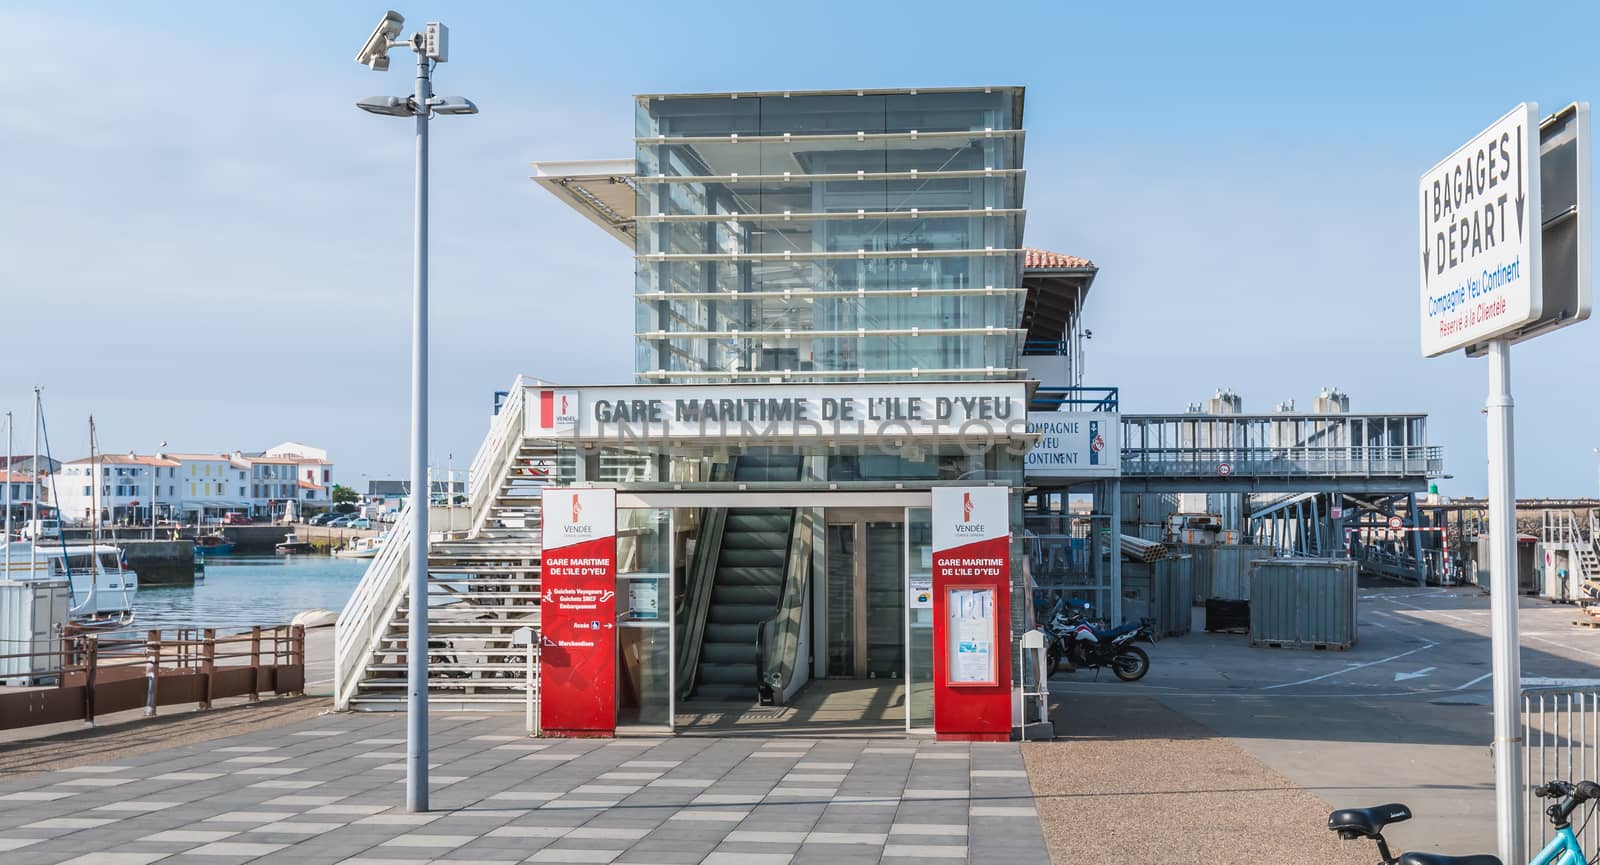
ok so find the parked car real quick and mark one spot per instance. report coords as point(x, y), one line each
point(340, 522)
point(235, 518)
point(360, 523)
point(322, 519)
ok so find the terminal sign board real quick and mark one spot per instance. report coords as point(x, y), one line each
point(1480, 229)
point(1074, 445)
point(577, 610)
point(644, 414)
point(972, 613)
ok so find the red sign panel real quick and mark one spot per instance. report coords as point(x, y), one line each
point(578, 641)
point(972, 613)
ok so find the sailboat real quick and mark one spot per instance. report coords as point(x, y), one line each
point(99, 583)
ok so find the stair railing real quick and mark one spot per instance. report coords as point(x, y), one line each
point(366, 616)
point(496, 455)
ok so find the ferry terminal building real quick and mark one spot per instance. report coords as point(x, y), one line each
point(852, 382)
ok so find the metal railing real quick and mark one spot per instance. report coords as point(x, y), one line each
point(117, 671)
point(1408, 461)
point(499, 447)
point(1560, 741)
point(1074, 399)
point(372, 605)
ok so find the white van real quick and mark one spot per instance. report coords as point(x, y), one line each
point(36, 530)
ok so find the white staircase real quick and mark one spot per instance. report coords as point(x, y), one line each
point(481, 590)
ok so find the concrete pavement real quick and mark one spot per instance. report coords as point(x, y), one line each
point(1402, 717)
point(325, 791)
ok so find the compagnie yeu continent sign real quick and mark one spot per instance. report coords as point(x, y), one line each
point(1480, 236)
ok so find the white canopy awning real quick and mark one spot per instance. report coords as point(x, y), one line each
point(600, 189)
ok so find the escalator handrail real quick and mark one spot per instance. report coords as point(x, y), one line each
point(697, 597)
point(779, 651)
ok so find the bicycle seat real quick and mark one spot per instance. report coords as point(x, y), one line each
point(1436, 859)
point(1367, 822)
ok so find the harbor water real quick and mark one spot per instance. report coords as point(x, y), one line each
point(239, 591)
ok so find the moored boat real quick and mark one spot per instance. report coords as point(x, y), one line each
point(362, 548)
point(102, 587)
point(291, 545)
point(213, 545)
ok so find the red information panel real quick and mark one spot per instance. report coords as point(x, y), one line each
point(578, 654)
point(972, 613)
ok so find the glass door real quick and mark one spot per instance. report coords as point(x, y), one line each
point(885, 600)
point(841, 600)
point(919, 619)
point(864, 594)
point(644, 619)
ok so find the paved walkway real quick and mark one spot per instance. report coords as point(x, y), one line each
point(326, 791)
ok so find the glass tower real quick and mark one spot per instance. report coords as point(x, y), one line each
point(840, 236)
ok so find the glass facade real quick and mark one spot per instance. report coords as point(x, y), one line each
point(859, 235)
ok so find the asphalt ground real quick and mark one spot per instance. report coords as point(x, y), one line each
point(1404, 716)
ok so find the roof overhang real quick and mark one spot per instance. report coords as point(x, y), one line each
point(1054, 299)
point(600, 189)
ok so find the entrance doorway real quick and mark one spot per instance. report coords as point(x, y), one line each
point(861, 562)
point(862, 595)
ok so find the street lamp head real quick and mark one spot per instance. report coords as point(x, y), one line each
point(452, 105)
point(375, 54)
point(393, 106)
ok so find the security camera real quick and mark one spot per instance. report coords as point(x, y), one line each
point(375, 54)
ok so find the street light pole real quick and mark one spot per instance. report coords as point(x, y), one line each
point(430, 46)
point(417, 644)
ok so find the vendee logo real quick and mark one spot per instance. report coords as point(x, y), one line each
point(575, 529)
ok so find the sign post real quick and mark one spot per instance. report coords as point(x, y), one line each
point(578, 646)
point(1482, 285)
point(972, 613)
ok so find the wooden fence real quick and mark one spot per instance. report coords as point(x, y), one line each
point(97, 674)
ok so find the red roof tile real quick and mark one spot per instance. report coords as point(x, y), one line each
point(1039, 259)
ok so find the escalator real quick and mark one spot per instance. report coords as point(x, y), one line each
point(743, 586)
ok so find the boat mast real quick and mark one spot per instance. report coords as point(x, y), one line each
point(94, 505)
point(33, 503)
point(10, 466)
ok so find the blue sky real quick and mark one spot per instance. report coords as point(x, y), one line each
point(203, 241)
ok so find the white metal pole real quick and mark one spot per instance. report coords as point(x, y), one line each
point(10, 482)
point(417, 644)
point(33, 489)
point(1503, 604)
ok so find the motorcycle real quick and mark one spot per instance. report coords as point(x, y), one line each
point(1075, 639)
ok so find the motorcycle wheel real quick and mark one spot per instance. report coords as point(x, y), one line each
point(1052, 660)
point(1130, 664)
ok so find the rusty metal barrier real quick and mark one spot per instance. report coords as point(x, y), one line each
point(105, 672)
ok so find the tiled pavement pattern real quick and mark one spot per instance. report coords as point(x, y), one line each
point(326, 791)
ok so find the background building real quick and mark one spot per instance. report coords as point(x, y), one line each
point(196, 486)
point(125, 488)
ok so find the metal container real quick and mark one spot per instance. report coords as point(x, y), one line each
point(1230, 570)
point(1175, 608)
point(1149, 507)
point(1199, 570)
point(1138, 591)
point(32, 614)
point(1158, 591)
point(1303, 603)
